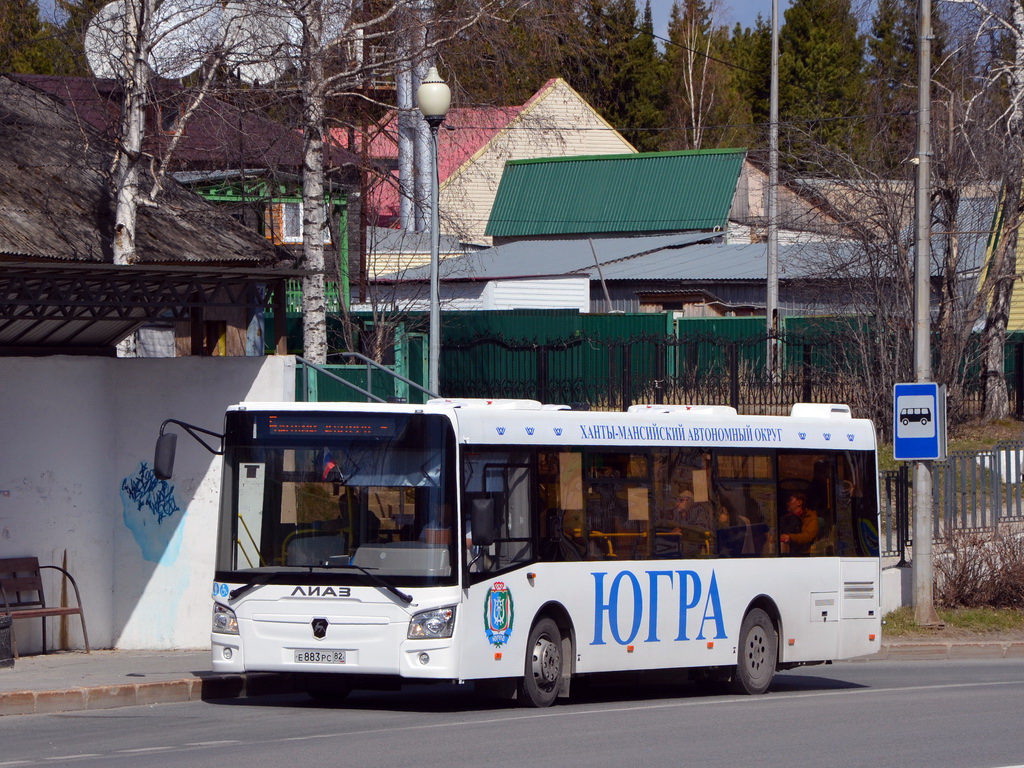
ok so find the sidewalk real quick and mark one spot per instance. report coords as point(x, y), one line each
point(74, 680)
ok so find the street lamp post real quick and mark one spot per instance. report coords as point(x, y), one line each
point(434, 97)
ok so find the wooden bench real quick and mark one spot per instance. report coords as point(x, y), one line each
point(21, 595)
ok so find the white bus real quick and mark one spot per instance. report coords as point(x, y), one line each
point(523, 546)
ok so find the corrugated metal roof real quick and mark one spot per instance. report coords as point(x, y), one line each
point(685, 256)
point(547, 258)
point(384, 240)
point(646, 192)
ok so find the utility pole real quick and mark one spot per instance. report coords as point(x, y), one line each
point(772, 299)
point(922, 566)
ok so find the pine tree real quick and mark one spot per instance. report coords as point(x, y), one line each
point(892, 48)
point(26, 42)
point(890, 96)
point(507, 59)
point(69, 58)
point(625, 77)
point(891, 93)
point(821, 60)
point(750, 50)
point(641, 83)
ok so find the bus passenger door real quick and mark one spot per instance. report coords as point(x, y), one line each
point(496, 597)
point(506, 482)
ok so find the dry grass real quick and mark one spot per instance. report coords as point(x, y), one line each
point(960, 623)
point(978, 436)
point(969, 436)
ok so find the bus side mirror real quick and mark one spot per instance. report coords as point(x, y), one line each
point(163, 457)
point(482, 522)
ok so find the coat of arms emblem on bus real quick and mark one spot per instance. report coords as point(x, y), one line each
point(498, 614)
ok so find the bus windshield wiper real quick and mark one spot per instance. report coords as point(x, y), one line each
point(259, 580)
point(377, 580)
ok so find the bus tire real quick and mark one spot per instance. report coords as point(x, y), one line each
point(326, 689)
point(542, 677)
point(757, 655)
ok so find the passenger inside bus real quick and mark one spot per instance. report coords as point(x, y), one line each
point(734, 535)
point(798, 528)
point(685, 529)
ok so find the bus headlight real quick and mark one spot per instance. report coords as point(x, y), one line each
point(224, 620)
point(430, 624)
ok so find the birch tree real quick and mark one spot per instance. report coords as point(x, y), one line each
point(701, 96)
point(996, 32)
point(133, 42)
point(406, 34)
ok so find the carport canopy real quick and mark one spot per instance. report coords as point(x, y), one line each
point(87, 308)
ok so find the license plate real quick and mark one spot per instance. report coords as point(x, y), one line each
point(319, 657)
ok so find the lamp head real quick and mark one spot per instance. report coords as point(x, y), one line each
point(434, 97)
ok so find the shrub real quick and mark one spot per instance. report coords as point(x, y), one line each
point(981, 568)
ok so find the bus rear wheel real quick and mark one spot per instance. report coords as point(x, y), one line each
point(757, 654)
point(542, 677)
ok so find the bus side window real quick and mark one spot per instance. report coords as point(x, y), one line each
point(856, 512)
point(745, 487)
point(813, 475)
point(618, 505)
point(560, 503)
point(822, 494)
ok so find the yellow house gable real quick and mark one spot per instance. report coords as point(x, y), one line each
point(556, 122)
point(1016, 318)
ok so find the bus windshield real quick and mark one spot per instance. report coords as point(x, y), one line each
point(338, 492)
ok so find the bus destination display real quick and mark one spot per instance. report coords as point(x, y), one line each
point(326, 425)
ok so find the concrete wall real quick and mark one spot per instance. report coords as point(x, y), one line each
point(76, 486)
point(897, 589)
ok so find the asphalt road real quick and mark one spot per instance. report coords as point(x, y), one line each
point(966, 714)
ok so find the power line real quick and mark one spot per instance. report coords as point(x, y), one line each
point(721, 126)
point(703, 54)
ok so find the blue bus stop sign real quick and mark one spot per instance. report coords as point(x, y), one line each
point(919, 422)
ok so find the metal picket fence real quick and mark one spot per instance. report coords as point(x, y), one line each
point(972, 490)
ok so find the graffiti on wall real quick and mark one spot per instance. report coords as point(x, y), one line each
point(152, 514)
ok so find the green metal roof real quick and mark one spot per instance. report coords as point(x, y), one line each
point(645, 192)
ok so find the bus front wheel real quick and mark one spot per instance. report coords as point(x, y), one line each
point(757, 654)
point(542, 677)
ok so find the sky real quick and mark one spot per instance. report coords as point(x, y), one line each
point(743, 11)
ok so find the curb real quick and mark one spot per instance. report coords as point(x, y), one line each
point(143, 694)
point(949, 650)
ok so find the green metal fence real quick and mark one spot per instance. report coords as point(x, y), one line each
point(618, 359)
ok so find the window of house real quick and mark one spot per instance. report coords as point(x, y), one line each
point(170, 116)
point(291, 222)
